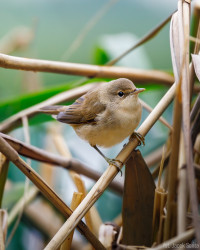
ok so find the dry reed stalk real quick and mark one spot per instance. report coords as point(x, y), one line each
point(31, 194)
point(176, 45)
point(197, 170)
point(159, 204)
point(197, 150)
point(3, 228)
point(172, 171)
point(154, 157)
point(160, 201)
point(194, 118)
point(16, 39)
point(26, 183)
point(46, 171)
point(118, 220)
point(4, 164)
point(53, 159)
point(186, 122)
point(144, 39)
point(182, 190)
point(178, 240)
point(196, 17)
point(68, 95)
point(137, 75)
point(161, 119)
point(195, 109)
point(194, 39)
point(81, 188)
point(12, 155)
point(48, 224)
point(111, 171)
point(156, 170)
point(92, 217)
point(195, 129)
point(76, 200)
point(195, 24)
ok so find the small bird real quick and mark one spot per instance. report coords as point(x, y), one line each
point(105, 115)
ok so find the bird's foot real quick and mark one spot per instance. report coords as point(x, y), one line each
point(139, 137)
point(117, 163)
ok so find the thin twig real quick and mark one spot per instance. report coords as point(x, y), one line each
point(161, 119)
point(143, 40)
point(87, 28)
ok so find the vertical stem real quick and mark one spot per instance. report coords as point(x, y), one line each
point(173, 163)
point(186, 125)
point(182, 190)
point(76, 200)
point(4, 164)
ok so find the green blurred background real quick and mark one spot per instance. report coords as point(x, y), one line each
point(56, 25)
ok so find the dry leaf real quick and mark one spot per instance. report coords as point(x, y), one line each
point(196, 62)
point(175, 46)
point(138, 200)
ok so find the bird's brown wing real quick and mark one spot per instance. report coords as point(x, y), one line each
point(53, 110)
point(83, 111)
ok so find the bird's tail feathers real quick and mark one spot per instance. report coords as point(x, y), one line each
point(52, 110)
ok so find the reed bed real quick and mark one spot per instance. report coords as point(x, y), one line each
point(160, 207)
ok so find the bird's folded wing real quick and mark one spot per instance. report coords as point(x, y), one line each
point(83, 111)
point(53, 110)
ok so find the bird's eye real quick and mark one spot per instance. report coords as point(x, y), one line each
point(120, 93)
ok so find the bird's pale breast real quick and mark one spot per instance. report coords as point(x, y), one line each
point(113, 129)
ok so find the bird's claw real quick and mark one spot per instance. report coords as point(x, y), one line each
point(139, 137)
point(117, 163)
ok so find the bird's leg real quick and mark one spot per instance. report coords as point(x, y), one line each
point(117, 163)
point(139, 137)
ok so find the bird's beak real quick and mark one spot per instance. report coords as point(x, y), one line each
point(138, 90)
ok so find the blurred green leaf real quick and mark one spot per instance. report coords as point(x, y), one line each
point(13, 106)
point(12, 195)
point(101, 56)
